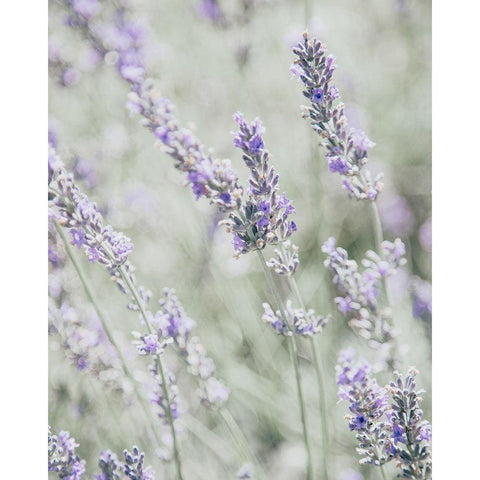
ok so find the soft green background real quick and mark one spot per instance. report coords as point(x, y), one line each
point(383, 54)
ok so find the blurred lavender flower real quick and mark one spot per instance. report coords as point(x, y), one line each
point(59, 67)
point(347, 150)
point(85, 344)
point(299, 322)
point(245, 472)
point(367, 404)
point(422, 298)
point(133, 467)
point(209, 9)
point(62, 458)
point(425, 235)
point(359, 291)
point(173, 323)
point(412, 435)
point(396, 216)
point(109, 466)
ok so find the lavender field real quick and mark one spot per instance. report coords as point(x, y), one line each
point(239, 233)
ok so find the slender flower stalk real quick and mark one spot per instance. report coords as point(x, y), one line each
point(62, 457)
point(294, 357)
point(106, 328)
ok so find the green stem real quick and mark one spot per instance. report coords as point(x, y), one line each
point(294, 357)
point(308, 11)
point(160, 368)
point(318, 366)
point(103, 321)
point(384, 476)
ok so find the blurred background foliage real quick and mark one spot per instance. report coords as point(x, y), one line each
point(209, 71)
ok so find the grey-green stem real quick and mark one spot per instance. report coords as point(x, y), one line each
point(294, 356)
point(318, 366)
point(160, 368)
point(103, 321)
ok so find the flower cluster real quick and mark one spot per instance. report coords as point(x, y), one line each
point(73, 210)
point(412, 435)
point(359, 290)
point(264, 217)
point(208, 177)
point(367, 404)
point(109, 466)
point(172, 323)
point(294, 321)
point(347, 150)
point(286, 259)
point(134, 468)
point(387, 421)
point(62, 458)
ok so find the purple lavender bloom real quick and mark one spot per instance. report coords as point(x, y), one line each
point(109, 466)
point(134, 468)
point(414, 456)
point(398, 434)
point(75, 211)
point(368, 404)
point(78, 238)
point(317, 95)
point(264, 216)
point(359, 423)
point(347, 150)
point(62, 458)
point(359, 290)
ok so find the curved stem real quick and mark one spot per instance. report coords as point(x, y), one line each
point(294, 356)
point(318, 366)
point(103, 321)
point(139, 302)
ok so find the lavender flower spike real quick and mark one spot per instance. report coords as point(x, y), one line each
point(347, 150)
point(62, 458)
point(133, 467)
point(299, 321)
point(264, 218)
point(368, 403)
point(359, 290)
point(412, 435)
point(76, 212)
